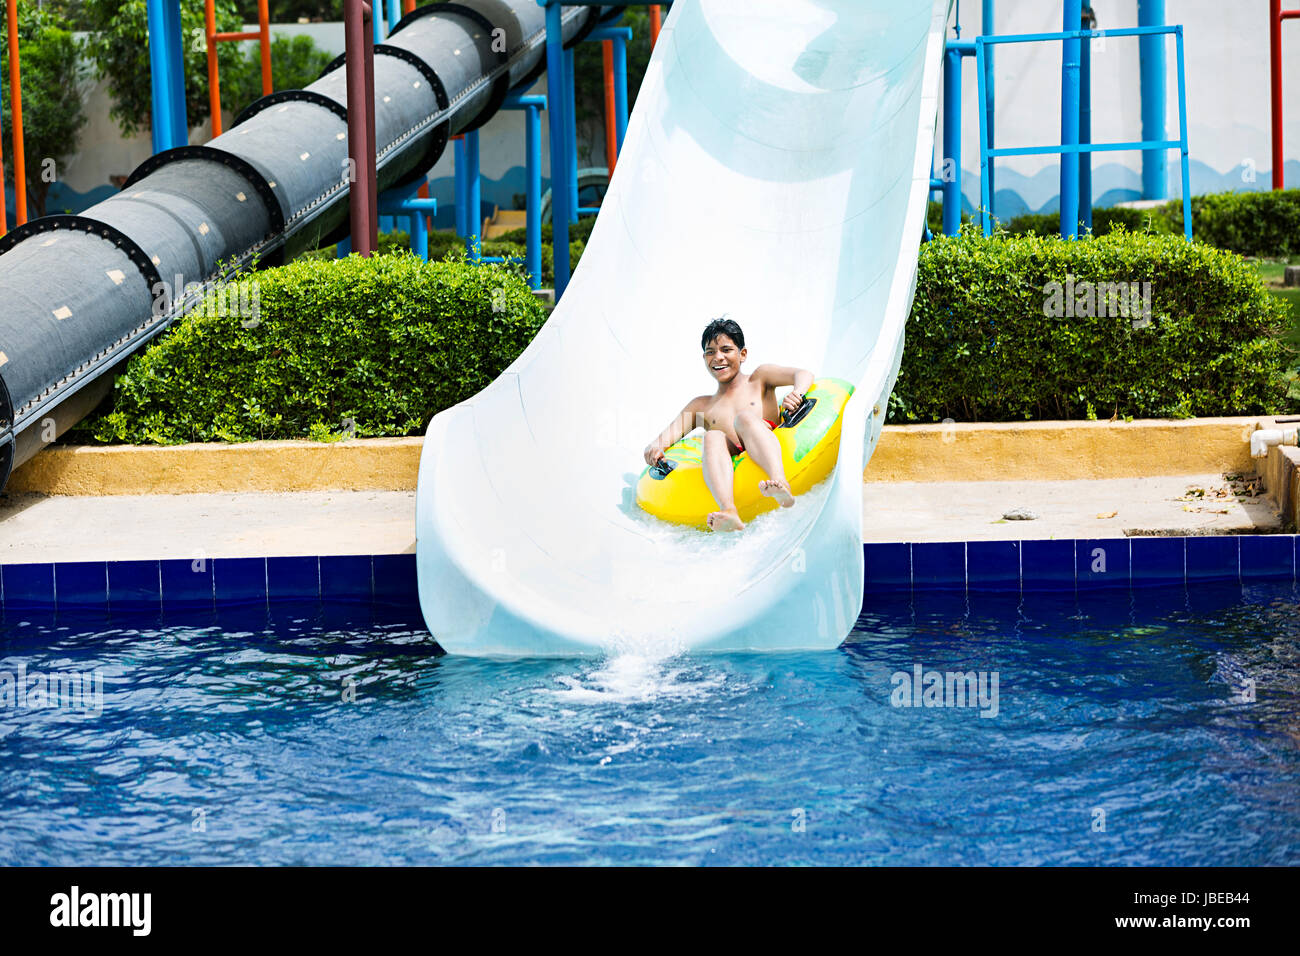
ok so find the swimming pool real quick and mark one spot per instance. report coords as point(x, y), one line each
point(1103, 729)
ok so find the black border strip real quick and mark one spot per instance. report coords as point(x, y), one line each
point(95, 228)
point(240, 165)
point(442, 132)
point(290, 96)
point(501, 88)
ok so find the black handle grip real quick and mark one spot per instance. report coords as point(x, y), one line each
point(790, 419)
point(660, 469)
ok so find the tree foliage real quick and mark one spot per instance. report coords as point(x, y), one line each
point(52, 77)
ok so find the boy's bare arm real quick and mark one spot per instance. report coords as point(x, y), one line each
point(676, 429)
point(776, 375)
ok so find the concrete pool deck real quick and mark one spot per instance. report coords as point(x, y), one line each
point(925, 483)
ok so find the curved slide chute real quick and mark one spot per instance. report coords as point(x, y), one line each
point(776, 169)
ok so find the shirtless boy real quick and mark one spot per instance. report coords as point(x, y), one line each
point(739, 416)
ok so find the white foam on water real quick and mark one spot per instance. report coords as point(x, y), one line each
point(637, 678)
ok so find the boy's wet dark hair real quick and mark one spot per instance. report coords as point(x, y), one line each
point(723, 326)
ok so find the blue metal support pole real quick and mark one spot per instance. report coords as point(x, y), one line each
point(344, 248)
point(533, 147)
point(462, 194)
point(532, 107)
point(170, 127)
point(1151, 65)
point(571, 137)
point(410, 206)
point(986, 199)
point(620, 84)
point(987, 29)
point(1182, 135)
point(950, 170)
point(559, 105)
point(1070, 121)
point(1085, 133)
point(474, 188)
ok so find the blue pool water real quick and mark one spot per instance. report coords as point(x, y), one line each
point(1123, 734)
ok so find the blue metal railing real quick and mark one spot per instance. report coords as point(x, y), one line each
point(1070, 182)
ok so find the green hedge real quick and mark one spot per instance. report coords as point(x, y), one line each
point(1252, 224)
point(1249, 223)
point(364, 346)
point(979, 346)
point(1104, 221)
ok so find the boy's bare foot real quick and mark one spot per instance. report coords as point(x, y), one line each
point(778, 489)
point(725, 521)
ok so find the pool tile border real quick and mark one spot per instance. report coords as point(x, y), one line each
point(1011, 566)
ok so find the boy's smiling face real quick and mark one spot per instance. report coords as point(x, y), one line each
point(723, 359)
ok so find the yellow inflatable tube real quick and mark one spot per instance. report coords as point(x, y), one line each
point(674, 489)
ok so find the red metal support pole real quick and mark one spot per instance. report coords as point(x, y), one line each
point(611, 123)
point(1275, 86)
point(362, 198)
point(656, 21)
point(16, 108)
point(4, 213)
point(264, 36)
point(214, 81)
point(1275, 17)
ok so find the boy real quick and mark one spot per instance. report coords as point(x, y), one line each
point(739, 416)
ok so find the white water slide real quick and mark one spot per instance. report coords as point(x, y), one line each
point(776, 169)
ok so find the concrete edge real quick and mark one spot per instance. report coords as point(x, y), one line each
point(1064, 451)
point(993, 451)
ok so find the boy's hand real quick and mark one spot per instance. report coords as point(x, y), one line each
point(792, 401)
point(653, 452)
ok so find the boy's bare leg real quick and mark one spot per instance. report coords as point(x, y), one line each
point(719, 476)
point(765, 448)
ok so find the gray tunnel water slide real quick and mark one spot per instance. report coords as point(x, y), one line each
point(80, 294)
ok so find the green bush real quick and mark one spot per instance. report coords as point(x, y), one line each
point(580, 230)
point(1252, 224)
point(980, 346)
point(364, 346)
point(1104, 221)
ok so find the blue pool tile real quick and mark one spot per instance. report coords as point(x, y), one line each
point(887, 566)
point(1266, 557)
point(1102, 562)
point(1106, 607)
point(939, 607)
point(186, 583)
point(395, 581)
point(1212, 597)
point(1213, 558)
point(1047, 565)
point(993, 565)
point(993, 606)
point(81, 584)
point(883, 611)
point(1158, 560)
point(28, 585)
point(939, 564)
point(134, 585)
point(293, 579)
point(1155, 601)
point(239, 580)
point(345, 578)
